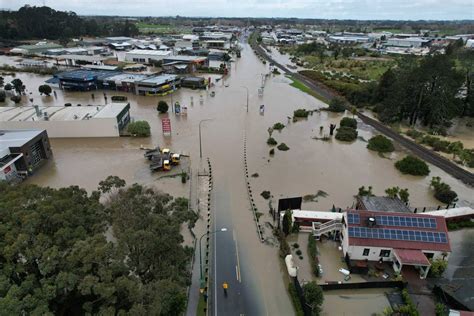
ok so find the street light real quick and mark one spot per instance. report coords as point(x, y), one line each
point(200, 143)
point(200, 254)
point(247, 97)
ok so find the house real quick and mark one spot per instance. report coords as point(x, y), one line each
point(381, 203)
point(146, 56)
point(306, 219)
point(22, 152)
point(401, 238)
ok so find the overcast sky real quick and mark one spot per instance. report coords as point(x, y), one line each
point(338, 9)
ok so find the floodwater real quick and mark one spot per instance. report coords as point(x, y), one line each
point(310, 165)
point(355, 302)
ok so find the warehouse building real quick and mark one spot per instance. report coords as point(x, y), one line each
point(146, 56)
point(158, 85)
point(83, 79)
point(69, 121)
point(22, 152)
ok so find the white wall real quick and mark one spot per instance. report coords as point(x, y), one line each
point(98, 127)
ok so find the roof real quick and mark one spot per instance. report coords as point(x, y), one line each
point(158, 80)
point(127, 78)
point(383, 203)
point(397, 230)
point(194, 79)
point(61, 113)
point(185, 58)
point(16, 138)
point(40, 46)
point(85, 74)
point(88, 58)
point(148, 52)
point(411, 257)
point(453, 212)
point(317, 215)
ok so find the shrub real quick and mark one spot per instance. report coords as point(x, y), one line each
point(278, 126)
point(443, 192)
point(8, 87)
point(412, 165)
point(314, 297)
point(271, 141)
point(265, 194)
point(296, 245)
point(45, 89)
point(413, 133)
point(255, 175)
point(380, 144)
point(313, 255)
point(272, 152)
point(337, 105)
point(437, 267)
point(298, 252)
point(16, 98)
point(283, 147)
point(301, 113)
point(346, 134)
point(162, 107)
point(295, 299)
point(139, 128)
point(184, 177)
point(348, 122)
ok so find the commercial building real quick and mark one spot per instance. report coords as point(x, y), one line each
point(194, 83)
point(68, 121)
point(401, 238)
point(123, 82)
point(38, 48)
point(146, 56)
point(158, 85)
point(22, 152)
point(416, 42)
point(184, 64)
point(83, 79)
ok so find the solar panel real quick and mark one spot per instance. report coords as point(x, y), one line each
point(398, 234)
point(405, 221)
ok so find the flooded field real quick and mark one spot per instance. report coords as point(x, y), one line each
point(310, 165)
point(355, 302)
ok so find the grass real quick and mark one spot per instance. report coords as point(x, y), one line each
point(302, 87)
point(201, 305)
point(160, 28)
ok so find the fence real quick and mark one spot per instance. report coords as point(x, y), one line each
point(364, 285)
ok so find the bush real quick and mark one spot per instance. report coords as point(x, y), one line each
point(301, 113)
point(337, 105)
point(295, 299)
point(314, 297)
point(184, 177)
point(348, 122)
point(283, 147)
point(298, 252)
point(139, 128)
point(8, 87)
point(380, 144)
point(412, 165)
point(45, 89)
point(278, 126)
point(313, 255)
point(271, 141)
point(265, 194)
point(296, 245)
point(413, 133)
point(272, 152)
point(437, 267)
point(443, 192)
point(162, 107)
point(346, 134)
point(16, 98)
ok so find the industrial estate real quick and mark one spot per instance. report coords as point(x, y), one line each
point(235, 166)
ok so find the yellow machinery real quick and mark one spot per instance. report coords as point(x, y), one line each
point(166, 165)
point(165, 151)
point(175, 158)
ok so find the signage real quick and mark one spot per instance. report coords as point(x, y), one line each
point(166, 125)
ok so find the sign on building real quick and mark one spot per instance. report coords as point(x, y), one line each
point(166, 126)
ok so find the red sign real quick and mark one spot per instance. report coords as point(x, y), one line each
point(7, 170)
point(166, 125)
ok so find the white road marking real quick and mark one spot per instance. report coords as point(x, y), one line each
point(237, 268)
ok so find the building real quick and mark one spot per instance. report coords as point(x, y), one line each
point(146, 56)
point(307, 219)
point(123, 82)
point(401, 238)
point(346, 39)
point(158, 85)
point(68, 121)
point(194, 83)
point(381, 203)
point(22, 152)
point(38, 48)
point(83, 79)
point(184, 64)
point(416, 42)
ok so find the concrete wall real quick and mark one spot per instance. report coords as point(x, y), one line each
point(98, 127)
point(356, 253)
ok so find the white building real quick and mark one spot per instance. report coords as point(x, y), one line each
point(68, 121)
point(405, 239)
point(146, 56)
point(408, 42)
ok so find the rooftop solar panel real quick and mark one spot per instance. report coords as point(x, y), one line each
point(398, 234)
point(406, 221)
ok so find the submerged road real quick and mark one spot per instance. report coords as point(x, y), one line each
point(417, 149)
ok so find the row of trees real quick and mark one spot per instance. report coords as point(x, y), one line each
point(44, 22)
point(63, 252)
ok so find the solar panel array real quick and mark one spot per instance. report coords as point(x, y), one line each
point(405, 221)
point(398, 234)
point(353, 218)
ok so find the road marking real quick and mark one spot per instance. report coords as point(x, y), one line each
point(237, 267)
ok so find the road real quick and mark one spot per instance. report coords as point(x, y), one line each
point(419, 150)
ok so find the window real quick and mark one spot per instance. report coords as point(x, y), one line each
point(429, 255)
point(384, 253)
point(366, 252)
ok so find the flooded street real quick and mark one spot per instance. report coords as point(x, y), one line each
point(310, 165)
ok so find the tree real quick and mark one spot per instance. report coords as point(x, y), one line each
point(16, 99)
point(443, 191)
point(8, 87)
point(139, 128)
point(365, 192)
point(45, 89)
point(162, 107)
point(404, 195)
point(337, 104)
point(392, 192)
point(455, 148)
point(346, 134)
point(17, 85)
point(349, 122)
point(286, 222)
point(412, 165)
point(314, 297)
point(111, 183)
point(380, 144)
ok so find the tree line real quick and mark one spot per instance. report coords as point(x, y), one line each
point(46, 23)
point(115, 251)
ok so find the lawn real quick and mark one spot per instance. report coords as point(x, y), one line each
point(201, 305)
point(302, 87)
point(160, 28)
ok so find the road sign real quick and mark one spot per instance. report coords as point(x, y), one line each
point(166, 125)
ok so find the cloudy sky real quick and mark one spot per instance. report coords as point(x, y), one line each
point(338, 9)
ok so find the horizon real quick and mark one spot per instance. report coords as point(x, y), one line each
point(376, 10)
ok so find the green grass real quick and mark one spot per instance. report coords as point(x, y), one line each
point(160, 28)
point(201, 305)
point(302, 87)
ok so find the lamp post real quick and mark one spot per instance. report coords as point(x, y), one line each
point(200, 142)
point(247, 97)
point(200, 253)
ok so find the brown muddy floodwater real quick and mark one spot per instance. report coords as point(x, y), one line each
point(310, 165)
point(355, 302)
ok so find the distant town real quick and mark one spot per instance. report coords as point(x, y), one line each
point(235, 166)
